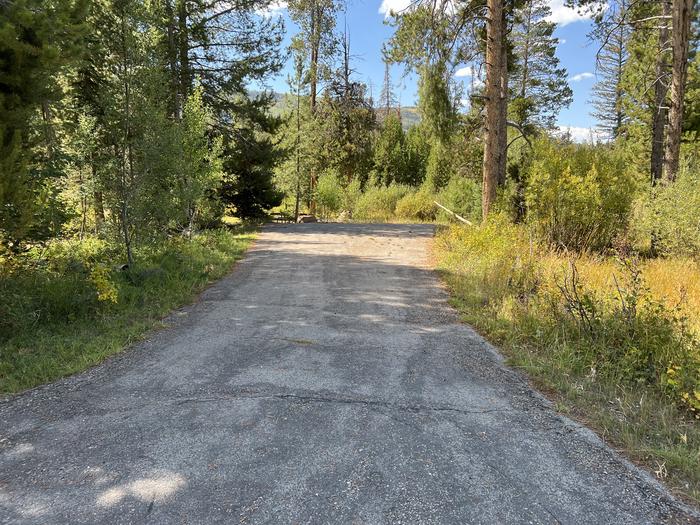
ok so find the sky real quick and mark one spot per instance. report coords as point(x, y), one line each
point(368, 32)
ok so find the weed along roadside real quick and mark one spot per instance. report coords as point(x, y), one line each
point(68, 307)
point(613, 341)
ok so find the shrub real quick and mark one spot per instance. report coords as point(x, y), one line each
point(378, 203)
point(351, 194)
point(675, 212)
point(462, 196)
point(418, 206)
point(329, 195)
point(578, 196)
point(498, 257)
point(620, 332)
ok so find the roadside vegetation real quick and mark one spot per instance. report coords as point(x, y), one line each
point(614, 340)
point(65, 306)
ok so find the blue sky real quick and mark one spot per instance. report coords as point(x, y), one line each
point(367, 30)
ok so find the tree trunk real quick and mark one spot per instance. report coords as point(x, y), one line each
point(183, 47)
point(681, 14)
point(126, 157)
point(298, 146)
point(493, 147)
point(502, 123)
point(175, 109)
point(98, 204)
point(660, 91)
point(97, 200)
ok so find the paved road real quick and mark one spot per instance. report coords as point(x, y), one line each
point(326, 380)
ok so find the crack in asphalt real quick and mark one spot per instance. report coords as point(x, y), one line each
point(344, 401)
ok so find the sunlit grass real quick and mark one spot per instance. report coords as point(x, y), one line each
point(507, 287)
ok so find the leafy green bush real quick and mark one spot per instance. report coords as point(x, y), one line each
point(329, 195)
point(378, 203)
point(418, 206)
point(497, 256)
point(67, 307)
point(578, 196)
point(462, 196)
point(675, 215)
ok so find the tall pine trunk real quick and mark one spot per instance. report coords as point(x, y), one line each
point(494, 144)
point(658, 121)
point(681, 14)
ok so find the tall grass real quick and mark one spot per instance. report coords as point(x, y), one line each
point(614, 339)
point(68, 306)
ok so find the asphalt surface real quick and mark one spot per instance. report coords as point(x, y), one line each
point(326, 380)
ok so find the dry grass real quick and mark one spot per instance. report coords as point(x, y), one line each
point(507, 287)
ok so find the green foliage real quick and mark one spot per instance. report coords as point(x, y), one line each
point(249, 165)
point(351, 195)
point(417, 150)
point(671, 215)
point(68, 307)
point(32, 54)
point(378, 203)
point(389, 156)
point(201, 172)
point(345, 122)
point(417, 206)
point(577, 196)
point(434, 101)
point(329, 195)
point(462, 196)
point(439, 168)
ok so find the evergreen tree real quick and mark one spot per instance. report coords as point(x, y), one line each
point(346, 120)
point(416, 152)
point(249, 165)
point(32, 53)
point(389, 152)
point(613, 32)
point(250, 161)
point(538, 85)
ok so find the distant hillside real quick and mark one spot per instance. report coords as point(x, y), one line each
point(409, 114)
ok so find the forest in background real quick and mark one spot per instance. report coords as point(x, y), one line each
point(135, 139)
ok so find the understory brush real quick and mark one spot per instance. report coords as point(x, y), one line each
point(378, 203)
point(69, 305)
point(615, 339)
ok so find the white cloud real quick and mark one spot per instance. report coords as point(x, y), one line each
point(563, 15)
point(465, 71)
point(562, 40)
point(275, 8)
point(581, 134)
point(469, 72)
point(581, 76)
point(393, 6)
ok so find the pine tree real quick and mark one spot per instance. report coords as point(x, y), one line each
point(346, 121)
point(613, 31)
point(538, 84)
point(389, 156)
point(32, 53)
